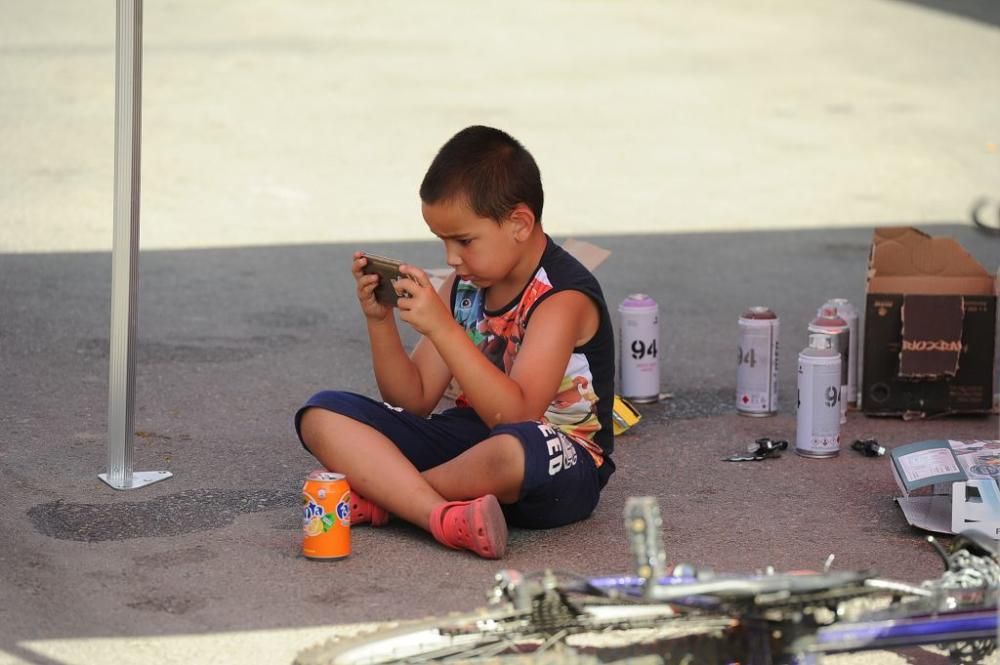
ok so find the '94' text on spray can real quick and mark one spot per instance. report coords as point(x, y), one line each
point(829, 323)
point(638, 349)
point(817, 420)
point(757, 363)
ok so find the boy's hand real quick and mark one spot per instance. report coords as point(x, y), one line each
point(366, 284)
point(419, 304)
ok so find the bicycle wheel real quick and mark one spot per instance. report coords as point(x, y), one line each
point(650, 634)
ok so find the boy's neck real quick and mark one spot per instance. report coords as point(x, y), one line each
point(504, 291)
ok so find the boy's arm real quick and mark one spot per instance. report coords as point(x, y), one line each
point(558, 325)
point(414, 382)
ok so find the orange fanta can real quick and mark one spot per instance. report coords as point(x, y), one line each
point(326, 515)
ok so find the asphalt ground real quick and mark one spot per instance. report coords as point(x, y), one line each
point(726, 156)
point(233, 340)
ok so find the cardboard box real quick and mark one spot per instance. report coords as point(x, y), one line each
point(929, 327)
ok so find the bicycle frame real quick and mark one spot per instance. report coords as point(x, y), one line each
point(688, 615)
point(930, 617)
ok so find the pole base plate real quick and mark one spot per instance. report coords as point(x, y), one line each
point(139, 479)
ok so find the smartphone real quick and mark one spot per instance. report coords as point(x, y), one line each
point(388, 272)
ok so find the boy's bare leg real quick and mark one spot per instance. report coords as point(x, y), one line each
point(380, 472)
point(493, 466)
point(372, 463)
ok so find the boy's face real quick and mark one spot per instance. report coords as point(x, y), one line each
point(478, 248)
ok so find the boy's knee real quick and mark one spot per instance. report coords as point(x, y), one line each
point(508, 451)
point(310, 425)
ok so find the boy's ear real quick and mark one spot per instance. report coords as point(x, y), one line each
point(522, 221)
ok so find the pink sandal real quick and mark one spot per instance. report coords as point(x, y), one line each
point(364, 511)
point(476, 525)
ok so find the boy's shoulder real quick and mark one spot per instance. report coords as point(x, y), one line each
point(566, 271)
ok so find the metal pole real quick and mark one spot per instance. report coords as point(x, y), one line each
point(125, 252)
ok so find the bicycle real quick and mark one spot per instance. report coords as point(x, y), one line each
point(688, 615)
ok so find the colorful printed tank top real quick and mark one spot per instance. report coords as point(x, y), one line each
point(582, 407)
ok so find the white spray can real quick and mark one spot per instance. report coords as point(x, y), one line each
point(849, 313)
point(827, 322)
point(638, 348)
point(757, 363)
point(817, 419)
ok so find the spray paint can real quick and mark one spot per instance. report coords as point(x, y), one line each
point(827, 322)
point(638, 350)
point(817, 419)
point(849, 313)
point(757, 363)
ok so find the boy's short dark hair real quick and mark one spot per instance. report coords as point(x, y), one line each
point(490, 168)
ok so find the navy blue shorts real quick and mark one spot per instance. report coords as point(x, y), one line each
point(561, 483)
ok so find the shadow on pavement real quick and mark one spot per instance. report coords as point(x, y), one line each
point(984, 11)
point(232, 340)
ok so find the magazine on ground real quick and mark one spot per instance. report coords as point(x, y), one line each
point(949, 486)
